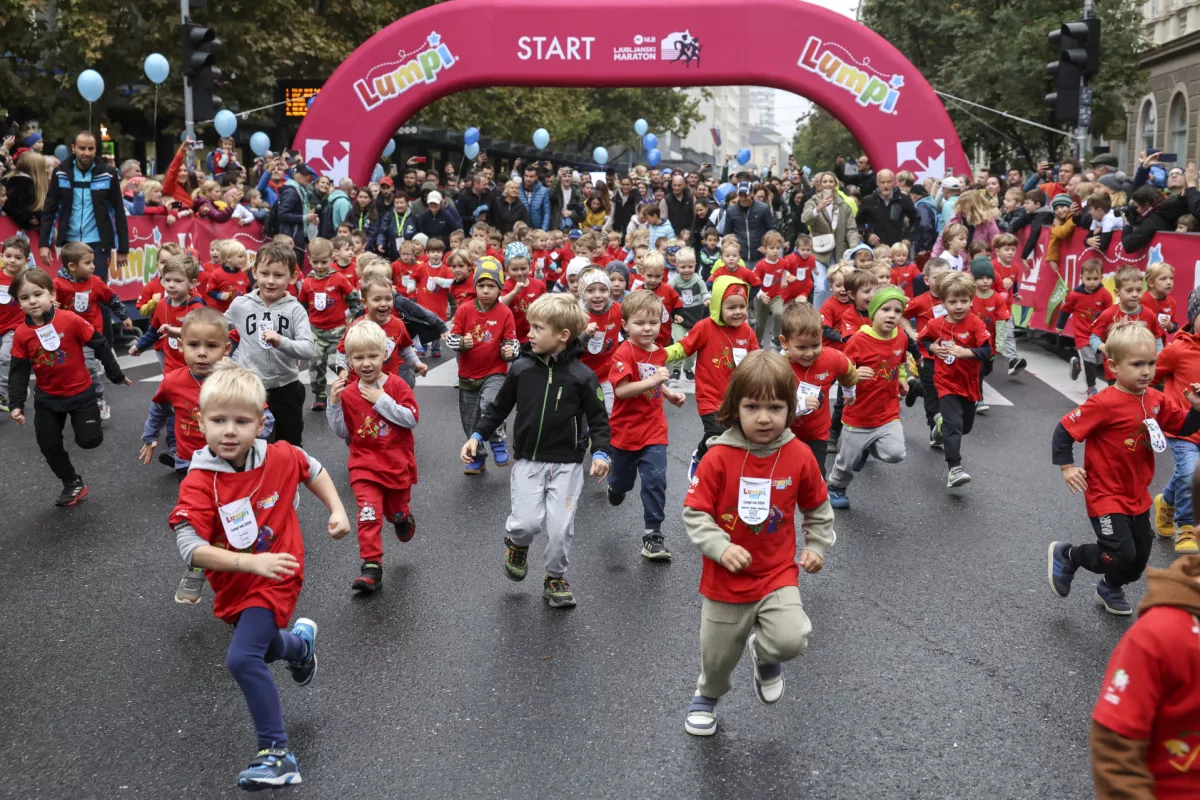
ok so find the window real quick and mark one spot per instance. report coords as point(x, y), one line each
point(1146, 124)
point(1178, 125)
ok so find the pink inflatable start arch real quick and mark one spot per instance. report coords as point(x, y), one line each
point(830, 59)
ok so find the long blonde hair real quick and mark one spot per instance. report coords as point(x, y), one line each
point(34, 165)
point(975, 208)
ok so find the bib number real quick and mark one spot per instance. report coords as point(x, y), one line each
point(666, 315)
point(5, 297)
point(1158, 442)
point(81, 301)
point(409, 284)
point(391, 348)
point(754, 500)
point(48, 338)
point(768, 280)
point(805, 390)
point(949, 359)
point(646, 371)
point(172, 343)
point(800, 273)
point(263, 327)
point(237, 518)
point(939, 312)
point(1164, 320)
point(738, 354)
point(430, 286)
point(320, 300)
point(686, 297)
point(596, 343)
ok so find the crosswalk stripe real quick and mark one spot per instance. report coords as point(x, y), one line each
point(1052, 371)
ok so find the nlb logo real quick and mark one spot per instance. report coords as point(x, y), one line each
point(868, 89)
point(422, 67)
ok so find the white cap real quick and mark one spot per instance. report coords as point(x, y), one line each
point(434, 197)
point(422, 238)
point(951, 183)
point(577, 265)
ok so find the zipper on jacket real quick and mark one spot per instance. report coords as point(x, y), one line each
point(542, 421)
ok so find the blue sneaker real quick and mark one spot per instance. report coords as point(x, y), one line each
point(1113, 599)
point(838, 499)
point(1059, 568)
point(479, 465)
point(271, 768)
point(692, 467)
point(500, 453)
point(304, 670)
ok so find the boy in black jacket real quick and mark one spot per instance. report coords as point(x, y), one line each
point(559, 407)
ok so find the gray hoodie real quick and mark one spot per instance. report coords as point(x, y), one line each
point(277, 366)
point(713, 540)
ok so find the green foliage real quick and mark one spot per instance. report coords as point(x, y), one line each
point(820, 139)
point(995, 53)
point(49, 42)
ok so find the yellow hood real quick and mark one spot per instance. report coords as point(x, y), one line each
point(720, 287)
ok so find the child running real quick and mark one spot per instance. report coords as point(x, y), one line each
point(920, 312)
point(375, 411)
point(603, 329)
point(740, 512)
point(14, 255)
point(236, 518)
point(1128, 281)
point(49, 344)
point(1084, 304)
point(1122, 428)
point(559, 408)
point(693, 299)
point(327, 296)
point(639, 379)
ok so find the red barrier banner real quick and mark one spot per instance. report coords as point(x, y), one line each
point(146, 236)
point(1042, 292)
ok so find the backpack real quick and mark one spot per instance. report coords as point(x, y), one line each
point(325, 229)
point(271, 223)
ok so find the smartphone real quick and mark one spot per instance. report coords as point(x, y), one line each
point(197, 145)
point(419, 160)
point(1165, 158)
point(14, 129)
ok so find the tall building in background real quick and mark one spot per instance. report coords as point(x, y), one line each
point(762, 103)
point(727, 111)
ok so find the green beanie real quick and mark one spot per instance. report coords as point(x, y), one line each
point(981, 267)
point(883, 295)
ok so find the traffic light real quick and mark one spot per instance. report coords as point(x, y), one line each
point(1078, 47)
point(200, 46)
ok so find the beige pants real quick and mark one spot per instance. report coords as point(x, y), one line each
point(782, 628)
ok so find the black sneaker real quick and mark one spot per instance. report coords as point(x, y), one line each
point(1059, 568)
point(1113, 599)
point(1016, 366)
point(4, 409)
point(319, 403)
point(406, 526)
point(1075, 368)
point(72, 493)
point(370, 577)
point(615, 498)
point(689, 374)
point(516, 559)
point(675, 374)
point(914, 392)
point(167, 459)
point(654, 547)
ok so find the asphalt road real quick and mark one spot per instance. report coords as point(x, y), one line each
point(940, 665)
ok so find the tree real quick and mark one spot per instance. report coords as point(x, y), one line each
point(820, 139)
point(995, 53)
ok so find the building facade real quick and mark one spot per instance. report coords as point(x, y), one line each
point(1166, 115)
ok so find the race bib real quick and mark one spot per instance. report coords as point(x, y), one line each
point(399, 241)
point(804, 390)
point(409, 284)
point(687, 297)
point(646, 371)
point(949, 359)
point(5, 297)
point(1164, 320)
point(596, 343)
point(939, 312)
point(237, 518)
point(263, 327)
point(666, 315)
point(738, 354)
point(636, 285)
point(172, 343)
point(430, 285)
point(81, 301)
point(391, 348)
point(320, 299)
point(754, 500)
point(48, 338)
point(1158, 442)
point(800, 273)
point(768, 280)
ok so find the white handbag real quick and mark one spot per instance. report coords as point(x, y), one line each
point(822, 243)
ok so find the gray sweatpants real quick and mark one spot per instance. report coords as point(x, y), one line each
point(472, 402)
point(1009, 351)
point(6, 341)
point(97, 370)
point(885, 443)
point(545, 497)
point(782, 634)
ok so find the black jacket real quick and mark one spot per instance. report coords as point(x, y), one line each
point(503, 215)
point(556, 220)
point(1037, 220)
point(892, 221)
point(749, 225)
point(680, 213)
point(865, 183)
point(468, 201)
point(19, 202)
point(420, 323)
point(290, 212)
point(439, 226)
point(559, 407)
point(623, 210)
point(105, 186)
point(386, 233)
point(1013, 221)
point(1161, 217)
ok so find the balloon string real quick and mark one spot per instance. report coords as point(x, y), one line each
point(155, 134)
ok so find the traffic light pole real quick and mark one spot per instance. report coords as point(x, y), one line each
point(189, 116)
point(1085, 96)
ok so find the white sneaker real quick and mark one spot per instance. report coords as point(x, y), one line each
point(105, 411)
point(957, 477)
point(768, 690)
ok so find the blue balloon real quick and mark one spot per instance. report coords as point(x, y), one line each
point(390, 147)
point(743, 156)
point(90, 85)
point(640, 127)
point(653, 157)
point(723, 191)
point(62, 153)
point(649, 141)
point(156, 67)
point(471, 150)
point(471, 135)
point(541, 138)
point(308, 103)
point(225, 122)
point(260, 143)
point(600, 156)
point(377, 173)
point(807, 172)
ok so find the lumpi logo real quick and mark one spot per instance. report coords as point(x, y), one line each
point(868, 89)
point(422, 66)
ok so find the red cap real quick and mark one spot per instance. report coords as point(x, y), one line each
point(385, 181)
point(736, 290)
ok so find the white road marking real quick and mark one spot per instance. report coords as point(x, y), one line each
point(1052, 371)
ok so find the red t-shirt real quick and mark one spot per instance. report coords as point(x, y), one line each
point(490, 330)
point(1112, 315)
point(325, 300)
point(1163, 309)
point(271, 488)
point(1012, 271)
point(671, 304)
point(1150, 693)
point(380, 451)
point(463, 291)
point(181, 390)
point(801, 271)
point(1084, 309)
point(828, 366)
point(597, 355)
point(521, 302)
point(397, 340)
point(921, 311)
point(431, 296)
point(832, 311)
point(795, 483)
point(167, 314)
point(1116, 453)
point(739, 271)
point(61, 372)
point(770, 277)
point(544, 264)
point(953, 375)
point(11, 315)
point(719, 349)
point(84, 298)
point(878, 400)
point(404, 278)
point(903, 277)
point(222, 280)
point(992, 310)
point(639, 421)
point(154, 287)
point(349, 272)
point(1177, 368)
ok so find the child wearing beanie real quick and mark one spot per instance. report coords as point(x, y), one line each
point(959, 344)
point(871, 419)
point(484, 334)
point(991, 307)
point(1060, 230)
point(618, 278)
point(521, 288)
point(604, 325)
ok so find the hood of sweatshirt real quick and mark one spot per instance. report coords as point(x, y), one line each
point(720, 287)
point(205, 458)
point(284, 305)
point(571, 351)
point(67, 276)
point(1178, 585)
point(735, 438)
point(874, 334)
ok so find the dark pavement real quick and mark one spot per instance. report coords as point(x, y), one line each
point(940, 665)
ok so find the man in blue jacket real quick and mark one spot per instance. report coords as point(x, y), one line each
point(535, 197)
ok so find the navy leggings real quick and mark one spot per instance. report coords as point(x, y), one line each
point(257, 641)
